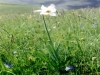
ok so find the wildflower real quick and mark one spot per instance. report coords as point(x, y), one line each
point(50, 10)
point(14, 52)
point(94, 58)
point(94, 23)
point(54, 27)
point(81, 25)
point(8, 65)
point(69, 68)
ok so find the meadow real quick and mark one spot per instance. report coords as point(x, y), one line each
point(25, 48)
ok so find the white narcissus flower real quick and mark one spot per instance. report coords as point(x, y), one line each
point(50, 10)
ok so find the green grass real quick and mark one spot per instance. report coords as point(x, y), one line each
point(24, 43)
point(14, 8)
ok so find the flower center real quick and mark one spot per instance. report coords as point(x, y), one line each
point(48, 11)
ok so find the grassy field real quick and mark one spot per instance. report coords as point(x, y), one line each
point(26, 50)
point(14, 8)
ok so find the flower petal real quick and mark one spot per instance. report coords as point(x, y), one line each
point(43, 7)
point(37, 10)
point(70, 68)
point(52, 14)
point(43, 13)
point(52, 8)
point(67, 68)
point(52, 5)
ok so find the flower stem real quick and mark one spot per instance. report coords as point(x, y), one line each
point(50, 41)
point(52, 51)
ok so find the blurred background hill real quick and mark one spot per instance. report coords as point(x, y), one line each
point(62, 4)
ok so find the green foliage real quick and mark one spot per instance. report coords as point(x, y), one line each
point(75, 37)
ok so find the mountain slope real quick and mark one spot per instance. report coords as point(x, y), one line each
point(14, 8)
point(72, 4)
point(14, 1)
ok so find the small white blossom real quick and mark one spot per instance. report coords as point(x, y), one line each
point(8, 65)
point(50, 10)
point(67, 68)
point(54, 27)
point(94, 58)
point(14, 52)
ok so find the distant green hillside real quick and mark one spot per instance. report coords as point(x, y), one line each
point(14, 8)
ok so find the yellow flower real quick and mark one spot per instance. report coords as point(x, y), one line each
point(50, 10)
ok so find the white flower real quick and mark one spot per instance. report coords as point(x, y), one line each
point(67, 68)
point(54, 27)
point(50, 10)
point(8, 65)
point(94, 58)
point(14, 52)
